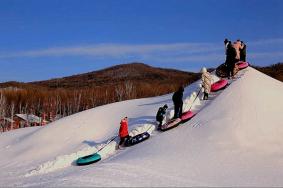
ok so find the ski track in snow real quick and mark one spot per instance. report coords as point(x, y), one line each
point(106, 150)
point(109, 150)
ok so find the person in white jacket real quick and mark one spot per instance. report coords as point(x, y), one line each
point(206, 79)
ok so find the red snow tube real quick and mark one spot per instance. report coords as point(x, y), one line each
point(187, 115)
point(221, 84)
point(242, 65)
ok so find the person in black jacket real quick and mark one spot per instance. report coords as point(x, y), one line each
point(178, 102)
point(243, 51)
point(230, 60)
point(161, 115)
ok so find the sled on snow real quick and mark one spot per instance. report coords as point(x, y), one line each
point(221, 84)
point(137, 139)
point(222, 70)
point(242, 65)
point(175, 122)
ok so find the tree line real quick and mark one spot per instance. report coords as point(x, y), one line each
point(62, 102)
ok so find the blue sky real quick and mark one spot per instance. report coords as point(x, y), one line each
point(43, 39)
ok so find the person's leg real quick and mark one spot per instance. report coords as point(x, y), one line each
point(206, 96)
point(122, 140)
point(229, 70)
point(176, 111)
point(159, 125)
point(180, 110)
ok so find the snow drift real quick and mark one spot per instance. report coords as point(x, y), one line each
point(234, 140)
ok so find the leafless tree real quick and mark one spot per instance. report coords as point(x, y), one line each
point(2, 110)
point(129, 89)
point(120, 92)
point(12, 108)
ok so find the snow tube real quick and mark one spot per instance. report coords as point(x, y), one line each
point(170, 124)
point(89, 159)
point(137, 139)
point(222, 70)
point(187, 115)
point(242, 65)
point(221, 84)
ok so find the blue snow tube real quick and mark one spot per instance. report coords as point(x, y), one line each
point(137, 139)
point(89, 159)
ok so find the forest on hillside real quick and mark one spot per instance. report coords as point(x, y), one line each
point(51, 101)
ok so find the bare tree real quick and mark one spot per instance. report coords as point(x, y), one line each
point(2, 105)
point(129, 89)
point(93, 99)
point(12, 113)
point(77, 101)
point(120, 92)
point(2, 110)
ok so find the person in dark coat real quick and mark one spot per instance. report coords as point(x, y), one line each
point(161, 115)
point(243, 51)
point(178, 102)
point(231, 60)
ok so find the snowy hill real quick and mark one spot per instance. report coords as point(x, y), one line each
point(234, 140)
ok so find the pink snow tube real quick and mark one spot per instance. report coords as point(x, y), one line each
point(221, 84)
point(187, 115)
point(242, 64)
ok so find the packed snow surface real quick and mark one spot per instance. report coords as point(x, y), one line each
point(235, 139)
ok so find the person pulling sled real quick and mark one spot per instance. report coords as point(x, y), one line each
point(123, 132)
point(178, 102)
point(161, 115)
point(206, 82)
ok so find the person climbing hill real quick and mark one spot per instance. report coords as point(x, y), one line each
point(243, 51)
point(161, 115)
point(178, 102)
point(123, 131)
point(231, 60)
point(206, 82)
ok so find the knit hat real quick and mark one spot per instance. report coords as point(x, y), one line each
point(203, 70)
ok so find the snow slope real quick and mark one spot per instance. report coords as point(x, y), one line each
point(234, 140)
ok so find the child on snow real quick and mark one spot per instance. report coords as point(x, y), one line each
point(123, 131)
point(206, 82)
point(161, 115)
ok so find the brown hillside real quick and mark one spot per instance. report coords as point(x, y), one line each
point(275, 71)
point(135, 72)
point(56, 98)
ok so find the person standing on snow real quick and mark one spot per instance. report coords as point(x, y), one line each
point(226, 42)
point(123, 131)
point(237, 45)
point(230, 60)
point(206, 82)
point(161, 115)
point(178, 102)
point(243, 51)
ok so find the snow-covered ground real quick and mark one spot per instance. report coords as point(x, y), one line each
point(236, 139)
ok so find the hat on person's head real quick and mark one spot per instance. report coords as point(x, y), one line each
point(165, 106)
point(225, 41)
point(203, 70)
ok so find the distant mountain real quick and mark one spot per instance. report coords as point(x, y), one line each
point(135, 72)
